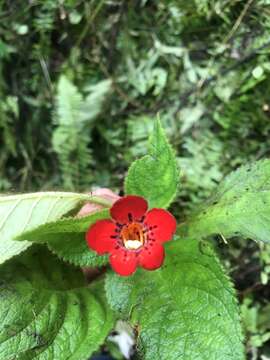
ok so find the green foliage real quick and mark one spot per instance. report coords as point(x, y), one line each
point(201, 168)
point(202, 64)
point(21, 213)
point(265, 262)
point(151, 70)
point(185, 310)
point(71, 137)
point(256, 323)
point(240, 206)
point(48, 312)
point(66, 238)
point(155, 176)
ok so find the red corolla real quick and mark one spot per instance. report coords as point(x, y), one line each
point(134, 236)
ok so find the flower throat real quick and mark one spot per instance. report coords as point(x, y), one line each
point(133, 235)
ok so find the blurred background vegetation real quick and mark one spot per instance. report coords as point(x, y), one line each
point(81, 82)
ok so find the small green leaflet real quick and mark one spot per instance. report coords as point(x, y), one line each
point(156, 175)
point(239, 207)
point(19, 213)
point(66, 238)
point(185, 310)
point(47, 312)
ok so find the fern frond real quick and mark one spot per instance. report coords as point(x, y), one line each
point(72, 137)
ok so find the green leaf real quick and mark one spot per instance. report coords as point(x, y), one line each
point(72, 247)
point(185, 310)
point(19, 213)
point(155, 176)
point(48, 312)
point(240, 206)
point(66, 238)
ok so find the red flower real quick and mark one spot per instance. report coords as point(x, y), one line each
point(134, 236)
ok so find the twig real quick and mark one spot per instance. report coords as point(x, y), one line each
point(89, 22)
point(114, 35)
point(250, 289)
point(46, 74)
point(238, 22)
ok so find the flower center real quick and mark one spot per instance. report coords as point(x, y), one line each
point(133, 236)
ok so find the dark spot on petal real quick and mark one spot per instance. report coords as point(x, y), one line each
point(119, 225)
point(130, 217)
point(114, 236)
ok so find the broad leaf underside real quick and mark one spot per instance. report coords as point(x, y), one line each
point(20, 213)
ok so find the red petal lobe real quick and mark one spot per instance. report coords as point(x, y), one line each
point(129, 208)
point(123, 262)
point(161, 224)
point(98, 236)
point(152, 257)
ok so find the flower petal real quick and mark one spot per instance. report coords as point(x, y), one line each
point(124, 262)
point(161, 225)
point(129, 208)
point(98, 236)
point(151, 257)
